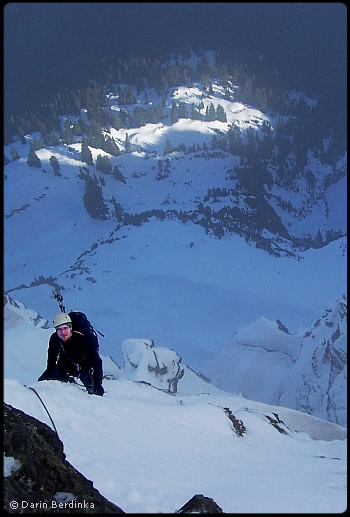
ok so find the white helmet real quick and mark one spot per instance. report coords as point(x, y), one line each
point(60, 319)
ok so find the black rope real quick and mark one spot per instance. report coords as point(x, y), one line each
point(99, 332)
point(47, 411)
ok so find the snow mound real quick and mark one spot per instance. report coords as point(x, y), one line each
point(159, 366)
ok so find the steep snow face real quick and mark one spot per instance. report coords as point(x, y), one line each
point(305, 372)
point(271, 335)
point(255, 361)
point(321, 368)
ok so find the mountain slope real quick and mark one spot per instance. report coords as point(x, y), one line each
point(149, 451)
point(306, 372)
point(205, 225)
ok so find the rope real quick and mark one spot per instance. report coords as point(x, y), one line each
point(47, 411)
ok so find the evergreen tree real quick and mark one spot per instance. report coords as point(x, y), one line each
point(33, 160)
point(223, 73)
point(182, 110)
point(82, 125)
point(210, 114)
point(168, 147)
point(235, 144)
point(93, 199)
point(96, 141)
point(318, 240)
point(250, 145)
point(110, 146)
point(118, 175)
point(35, 144)
point(205, 79)
point(52, 139)
point(68, 137)
point(311, 180)
point(174, 116)
point(21, 135)
point(103, 164)
point(85, 154)
point(94, 134)
point(76, 130)
point(220, 114)
point(127, 143)
point(195, 115)
point(129, 96)
point(261, 98)
point(265, 148)
point(55, 165)
point(215, 142)
point(14, 154)
point(75, 103)
point(266, 128)
point(167, 165)
point(138, 116)
point(118, 210)
point(154, 114)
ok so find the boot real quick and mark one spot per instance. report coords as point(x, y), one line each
point(98, 386)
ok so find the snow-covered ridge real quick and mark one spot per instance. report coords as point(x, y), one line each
point(15, 312)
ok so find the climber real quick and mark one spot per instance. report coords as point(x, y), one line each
point(72, 354)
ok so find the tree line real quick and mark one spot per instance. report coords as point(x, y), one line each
point(136, 73)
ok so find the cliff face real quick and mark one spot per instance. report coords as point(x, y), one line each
point(322, 368)
point(303, 372)
point(38, 479)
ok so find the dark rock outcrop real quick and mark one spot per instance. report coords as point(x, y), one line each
point(200, 504)
point(41, 480)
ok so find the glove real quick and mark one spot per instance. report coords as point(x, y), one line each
point(86, 379)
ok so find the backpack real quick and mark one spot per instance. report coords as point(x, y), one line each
point(81, 324)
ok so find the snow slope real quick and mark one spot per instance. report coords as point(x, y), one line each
point(149, 451)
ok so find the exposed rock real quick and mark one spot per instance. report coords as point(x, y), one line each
point(200, 504)
point(38, 478)
point(238, 425)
